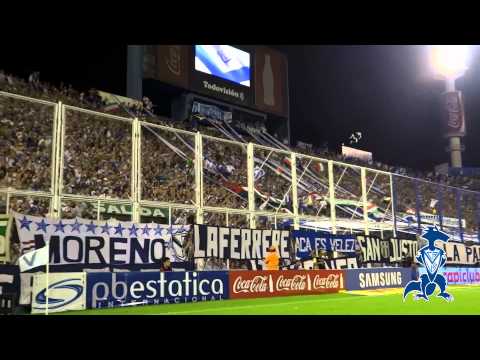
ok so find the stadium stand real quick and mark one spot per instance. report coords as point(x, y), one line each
point(167, 162)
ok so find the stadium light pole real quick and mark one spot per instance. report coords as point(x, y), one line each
point(450, 62)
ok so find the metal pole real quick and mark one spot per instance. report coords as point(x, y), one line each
point(331, 188)
point(458, 200)
point(98, 210)
point(139, 162)
point(440, 206)
point(7, 204)
point(477, 215)
point(293, 169)
point(450, 84)
point(61, 149)
point(55, 159)
point(363, 176)
point(56, 181)
point(251, 186)
point(393, 196)
point(134, 172)
point(455, 151)
point(134, 71)
point(417, 206)
point(199, 177)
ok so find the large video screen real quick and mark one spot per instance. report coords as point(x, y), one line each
point(224, 61)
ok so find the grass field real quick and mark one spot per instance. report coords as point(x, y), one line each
point(379, 302)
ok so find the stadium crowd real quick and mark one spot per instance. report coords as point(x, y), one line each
point(97, 162)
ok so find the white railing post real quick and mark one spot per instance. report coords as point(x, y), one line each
point(57, 163)
point(293, 160)
point(60, 153)
point(98, 209)
point(199, 178)
point(7, 202)
point(139, 167)
point(364, 199)
point(251, 186)
point(135, 170)
point(392, 201)
point(331, 189)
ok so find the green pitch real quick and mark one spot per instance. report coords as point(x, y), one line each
point(381, 302)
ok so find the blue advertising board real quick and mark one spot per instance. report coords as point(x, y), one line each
point(377, 278)
point(110, 289)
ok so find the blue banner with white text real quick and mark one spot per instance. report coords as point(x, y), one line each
point(377, 278)
point(109, 289)
point(310, 240)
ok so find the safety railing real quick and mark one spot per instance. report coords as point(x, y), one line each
point(64, 161)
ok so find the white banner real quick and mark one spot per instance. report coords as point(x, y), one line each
point(26, 280)
point(236, 243)
point(66, 291)
point(33, 259)
point(350, 152)
point(4, 238)
point(99, 244)
point(427, 218)
point(460, 254)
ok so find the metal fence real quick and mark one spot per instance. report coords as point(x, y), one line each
point(64, 161)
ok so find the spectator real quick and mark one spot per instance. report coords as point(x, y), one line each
point(166, 264)
point(298, 265)
point(211, 264)
point(272, 260)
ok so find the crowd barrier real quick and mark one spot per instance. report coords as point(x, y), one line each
point(105, 166)
point(79, 291)
point(75, 244)
point(97, 290)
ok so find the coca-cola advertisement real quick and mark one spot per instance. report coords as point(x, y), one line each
point(271, 81)
point(454, 114)
point(253, 284)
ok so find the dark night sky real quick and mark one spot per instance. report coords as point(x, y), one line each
point(385, 92)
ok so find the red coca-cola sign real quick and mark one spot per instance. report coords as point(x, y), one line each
point(256, 284)
point(251, 284)
point(332, 281)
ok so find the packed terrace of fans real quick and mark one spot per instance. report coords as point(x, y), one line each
point(97, 162)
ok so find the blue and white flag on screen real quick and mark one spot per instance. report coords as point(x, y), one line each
point(309, 240)
point(224, 61)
